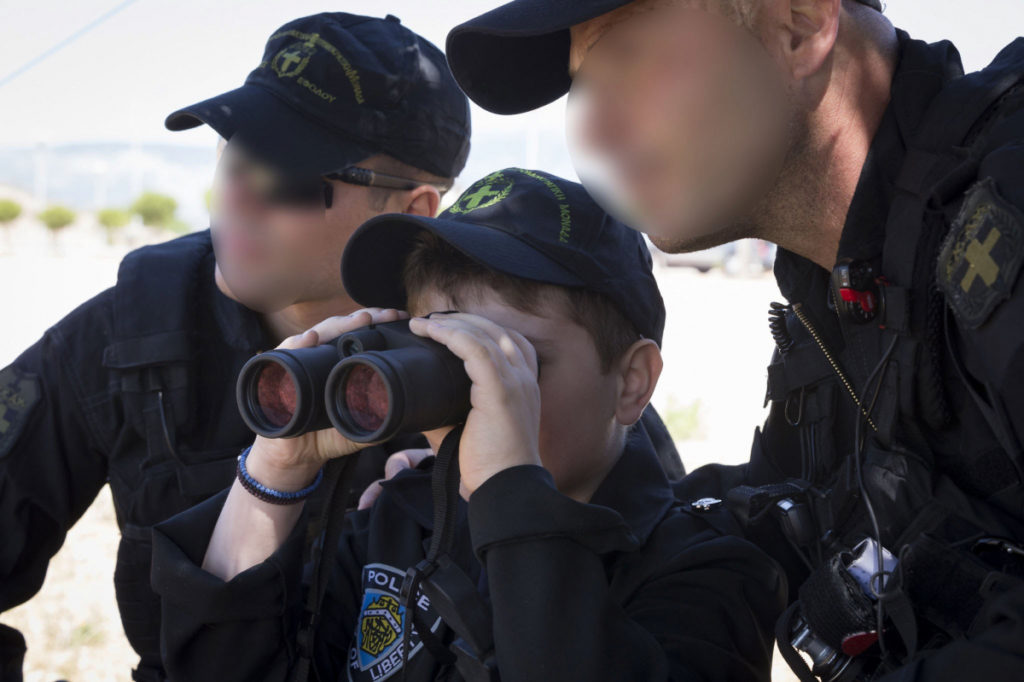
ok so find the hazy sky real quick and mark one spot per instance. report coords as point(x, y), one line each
point(117, 82)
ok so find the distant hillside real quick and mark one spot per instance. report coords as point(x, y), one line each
point(97, 175)
point(93, 176)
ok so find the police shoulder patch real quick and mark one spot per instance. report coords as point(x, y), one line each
point(19, 394)
point(376, 651)
point(982, 255)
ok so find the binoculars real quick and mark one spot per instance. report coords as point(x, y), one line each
point(371, 384)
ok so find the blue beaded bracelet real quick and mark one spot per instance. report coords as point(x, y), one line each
point(262, 492)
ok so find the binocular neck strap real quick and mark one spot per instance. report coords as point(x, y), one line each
point(444, 485)
point(338, 477)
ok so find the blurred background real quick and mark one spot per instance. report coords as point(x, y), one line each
point(88, 172)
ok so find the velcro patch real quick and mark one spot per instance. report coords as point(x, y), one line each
point(981, 258)
point(19, 394)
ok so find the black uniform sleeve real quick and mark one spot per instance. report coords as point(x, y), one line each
point(991, 345)
point(244, 628)
point(704, 608)
point(55, 419)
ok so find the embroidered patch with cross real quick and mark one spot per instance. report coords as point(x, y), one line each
point(376, 651)
point(292, 60)
point(19, 393)
point(484, 193)
point(981, 258)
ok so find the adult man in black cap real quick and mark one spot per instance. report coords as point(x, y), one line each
point(346, 117)
point(888, 476)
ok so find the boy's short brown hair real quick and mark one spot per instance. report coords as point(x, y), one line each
point(435, 264)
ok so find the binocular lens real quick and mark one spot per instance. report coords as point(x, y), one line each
point(276, 394)
point(366, 397)
point(371, 384)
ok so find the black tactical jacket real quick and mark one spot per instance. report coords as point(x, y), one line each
point(927, 397)
point(628, 587)
point(136, 388)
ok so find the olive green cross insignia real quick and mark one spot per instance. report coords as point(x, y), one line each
point(980, 263)
point(289, 58)
point(478, 197)
point(982, 255)
point(487, 192)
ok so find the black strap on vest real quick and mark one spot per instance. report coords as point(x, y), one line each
point(444, 485)
point(337, 479)
point(452, 594)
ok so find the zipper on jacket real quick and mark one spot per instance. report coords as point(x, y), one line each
point(806, 322)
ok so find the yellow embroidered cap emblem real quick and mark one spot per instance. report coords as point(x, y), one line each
point(483, 193)
point(290, 61)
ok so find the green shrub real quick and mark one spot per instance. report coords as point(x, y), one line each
point(57, 217)
point(156, 210)
point(9, 211)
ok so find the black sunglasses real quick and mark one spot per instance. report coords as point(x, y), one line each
point(354, 175)
point(283, 190)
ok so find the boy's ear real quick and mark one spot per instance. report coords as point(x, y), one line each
point(423, 201)
point(639, 369)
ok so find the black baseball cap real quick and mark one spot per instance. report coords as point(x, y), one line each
point(336, 88)
point(524, 223)
point(516, 57)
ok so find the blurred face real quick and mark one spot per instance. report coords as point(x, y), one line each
point(275, 242)
point(683, 119)
point(579, 440)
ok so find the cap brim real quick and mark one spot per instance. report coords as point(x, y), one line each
point(272, 129)
point(374, 259)
point(516, 57)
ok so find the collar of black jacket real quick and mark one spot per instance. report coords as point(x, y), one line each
point(922, 71)
point(636, 488)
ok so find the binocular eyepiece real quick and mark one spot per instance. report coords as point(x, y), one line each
point(371, 384)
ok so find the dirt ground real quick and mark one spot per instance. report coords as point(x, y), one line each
point(711, 394)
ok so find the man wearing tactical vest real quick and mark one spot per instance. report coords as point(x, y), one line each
point(887, 479)
point(346, 117)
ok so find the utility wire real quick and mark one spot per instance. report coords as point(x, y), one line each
point(64, 43)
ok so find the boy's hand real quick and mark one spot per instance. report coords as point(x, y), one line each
point(291, 463)
point(503, 427)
